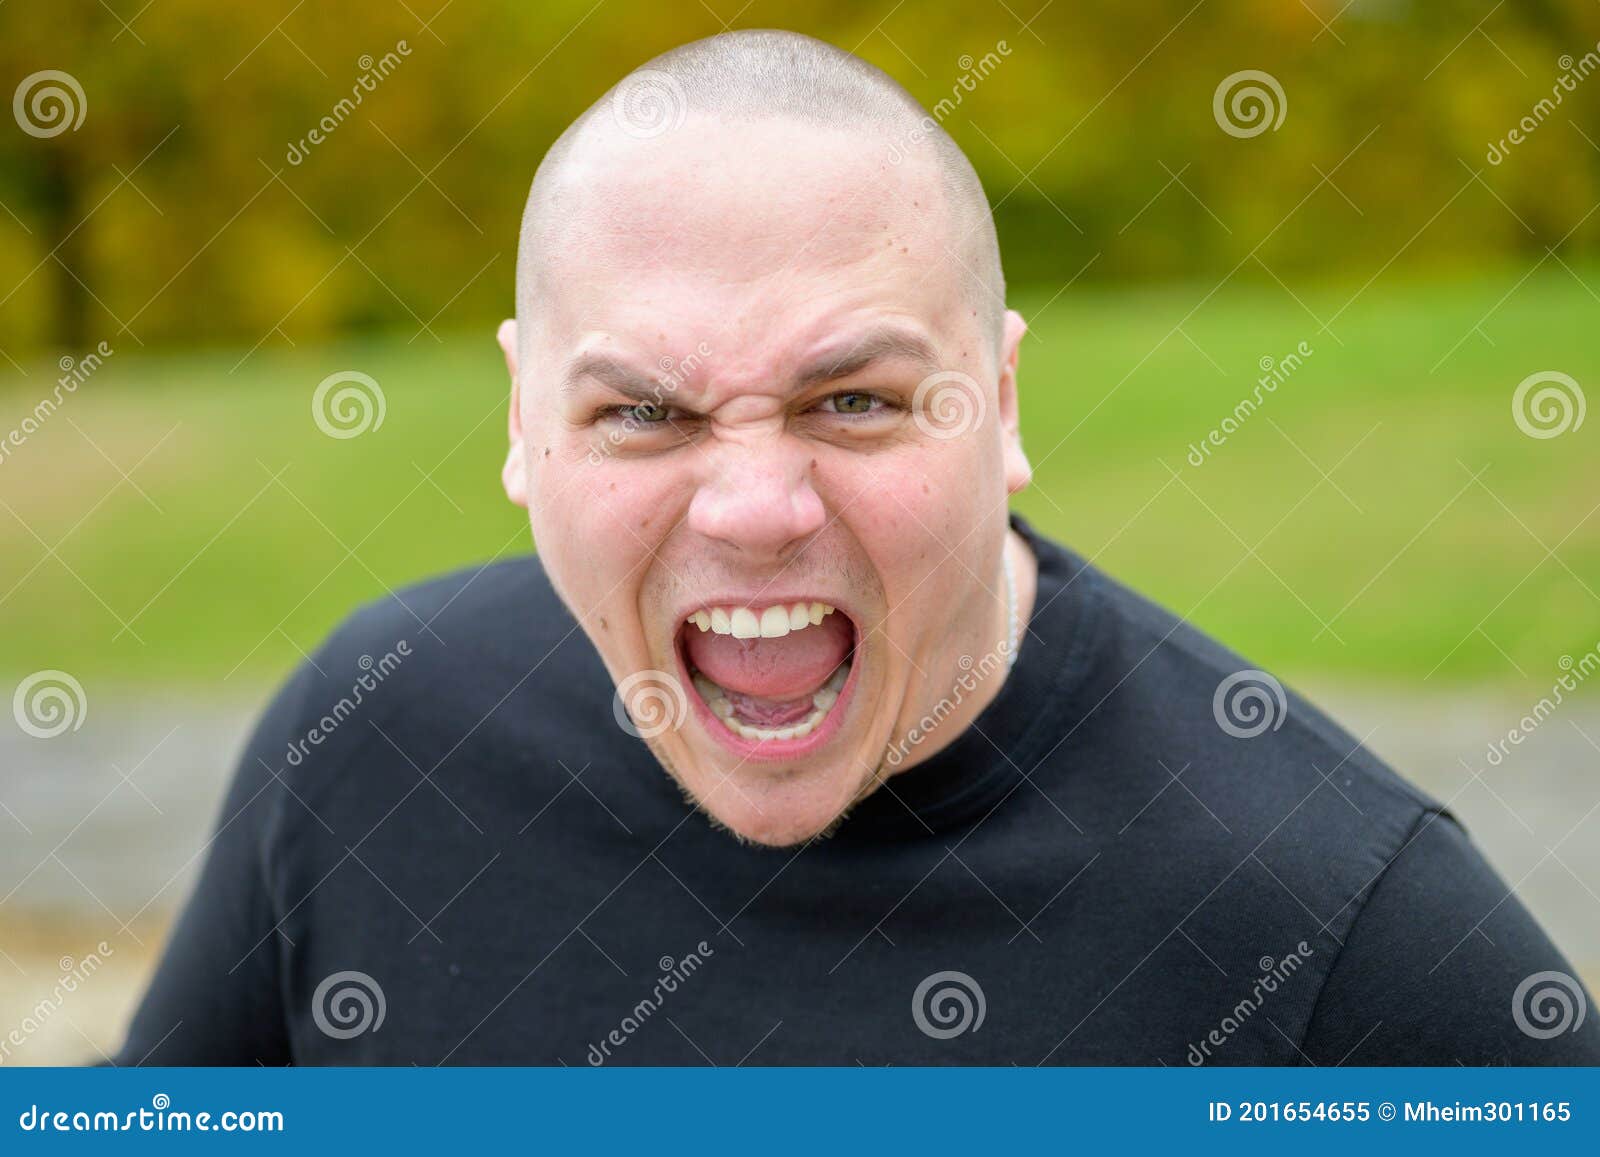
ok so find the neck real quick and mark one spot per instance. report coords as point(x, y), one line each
point(976, 684)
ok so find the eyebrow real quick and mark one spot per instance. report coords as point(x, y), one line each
point(885, 343)
point(608, 371)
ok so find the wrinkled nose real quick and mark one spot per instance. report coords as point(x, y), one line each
point(758, 498)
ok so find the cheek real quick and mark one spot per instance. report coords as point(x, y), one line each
point(596, 523)
point(910, 512)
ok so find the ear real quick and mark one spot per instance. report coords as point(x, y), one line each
point(1018, 472)
point(515, 473)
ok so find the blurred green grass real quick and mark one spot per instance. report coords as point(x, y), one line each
point(181, 519)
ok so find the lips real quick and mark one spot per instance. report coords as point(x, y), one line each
point(769, 682)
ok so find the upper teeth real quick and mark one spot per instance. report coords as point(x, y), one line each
point(772, 623)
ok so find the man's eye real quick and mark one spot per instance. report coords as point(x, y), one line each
point(645, 413)
point(850, 403)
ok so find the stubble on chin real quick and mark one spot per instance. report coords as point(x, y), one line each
point(872, 779)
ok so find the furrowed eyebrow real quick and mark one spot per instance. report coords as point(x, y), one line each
point(610, 372)
point(887, 344)
point(873, 346)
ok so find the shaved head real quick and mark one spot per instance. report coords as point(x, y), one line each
point(751, 77)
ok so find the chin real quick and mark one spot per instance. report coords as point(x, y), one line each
point(775, 809)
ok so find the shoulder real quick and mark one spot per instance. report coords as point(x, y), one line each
point(475, 605)
point(458, 633)
point(445, 679)
point(1280, 826)
point(1444, 965)
point(1216, 768)
point(1267, 749)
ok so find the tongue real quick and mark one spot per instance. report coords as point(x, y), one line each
point(785, 668)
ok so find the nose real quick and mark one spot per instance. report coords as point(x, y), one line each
point(757, 497)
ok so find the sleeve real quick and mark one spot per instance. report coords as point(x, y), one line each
point(1444, 966)
point(214, 999)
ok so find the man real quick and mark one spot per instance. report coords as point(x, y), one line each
point(764, 419)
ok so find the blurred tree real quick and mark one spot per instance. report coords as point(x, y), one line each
point(251, 176)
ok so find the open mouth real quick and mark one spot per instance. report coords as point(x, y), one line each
point(772, 679)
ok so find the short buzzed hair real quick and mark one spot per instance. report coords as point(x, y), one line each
point(762, 74)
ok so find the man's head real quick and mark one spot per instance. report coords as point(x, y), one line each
point(762, 362)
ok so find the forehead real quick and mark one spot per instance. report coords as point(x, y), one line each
point(763, 233)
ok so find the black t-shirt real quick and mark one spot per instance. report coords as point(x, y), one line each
point(440, 847)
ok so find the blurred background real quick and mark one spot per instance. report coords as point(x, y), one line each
point(1314, 301)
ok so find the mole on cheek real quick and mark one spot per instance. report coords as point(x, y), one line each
point(602, 622)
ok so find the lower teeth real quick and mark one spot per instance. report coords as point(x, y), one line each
point(822, 700)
